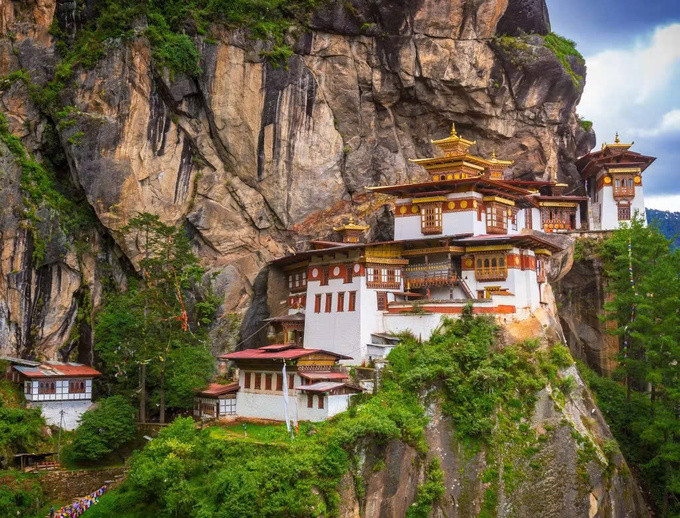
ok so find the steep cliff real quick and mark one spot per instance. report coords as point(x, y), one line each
point(246, 153)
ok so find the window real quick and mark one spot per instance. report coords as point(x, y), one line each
point(529, 218)
point(267, 381)
point(624, 186)
point(624, 212)
point(352, 301)
point(382, 300)
point(431, 218)
point(258, 380)
point(496, 218)
point(279, 382)
point(310, 400)
point(291, 381)
point(349, 273)
point(324, 275)
point(480, 211)
point(341, 302)
point(76, 386)
point(320, 399)
point(317, 303)
point(329, 302)
point(491, 267)
point(47, 387)
point(514, 220)
point(246, 378)
point(27, 387)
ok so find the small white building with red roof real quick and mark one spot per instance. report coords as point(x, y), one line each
point(216, 401)
point(286, 381)
point(62, 390)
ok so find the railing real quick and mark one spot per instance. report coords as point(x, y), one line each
point(386, 285)
point(433, 229)
point(436, 274)
point(491, 275)
point(624, 191)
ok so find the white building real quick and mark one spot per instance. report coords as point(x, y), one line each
point(613, 179)
point(466, 236)
point(216, 401)
point(63, 391)
point(315, 388)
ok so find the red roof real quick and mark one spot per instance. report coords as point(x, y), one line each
point(323, 375)
point(278, 352)
point(58, 370)
point(218, 389)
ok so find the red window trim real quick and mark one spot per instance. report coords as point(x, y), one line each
point(352, 301)
point(317, 303)
point(341, 302)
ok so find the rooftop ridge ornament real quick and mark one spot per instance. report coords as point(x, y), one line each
point(350, 231)
point(617, 144)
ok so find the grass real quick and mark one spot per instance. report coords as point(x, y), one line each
point(564, 49)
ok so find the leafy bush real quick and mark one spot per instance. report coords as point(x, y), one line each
point(565, 48)
point(488, 394)
point(21, 429)
point(103, 430)
point(20, 494)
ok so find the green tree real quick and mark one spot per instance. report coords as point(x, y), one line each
point(103, 430)
point(643, 273)
point(146, 334)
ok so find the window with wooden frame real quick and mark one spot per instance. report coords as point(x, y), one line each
point(76, 386)
point(480, 211)
point(320, 399)
point(431, 218)
point(529, 218)
point(341, 302)
point(317, 303)
point(349, 273)
point(310, 400)
point(352, 301)
point(291, 381)
point(267, 381)
point(496, 218)
point(258, 381)
point(279, 382)
point(382, 300)
point(491, 267)
point(624, 212)
point(624, 186)
point(513, 220)
point(329, 302)
point(325, 271)
point(297, 281)
point(246, 380)
point(47, 387)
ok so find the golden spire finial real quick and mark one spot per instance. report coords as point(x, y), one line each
point(493, 155)
point(351, 220)
point(453, 129)
point(617, 140)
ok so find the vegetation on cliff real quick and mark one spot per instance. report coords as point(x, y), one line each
point(486, 391)
point(153, 336)
point(643, 277)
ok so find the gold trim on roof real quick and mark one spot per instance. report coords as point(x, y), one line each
point(495, 161)
point(617, 143)
point(499, 200)
point(453, 137)
point(351, 226)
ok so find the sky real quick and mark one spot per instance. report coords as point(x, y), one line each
point(632, 51)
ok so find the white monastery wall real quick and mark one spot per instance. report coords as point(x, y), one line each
point(407, 227)
point(51, 411)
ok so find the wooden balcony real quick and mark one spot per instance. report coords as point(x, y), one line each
point(624, 192)
point(491, 275)
point(389, 285)
point(496, 229)
point(439, 274)
point(432, 230)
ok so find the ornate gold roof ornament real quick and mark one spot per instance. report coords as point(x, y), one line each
point(495, 160)
point(351, 226)
point(454, 144)
point(617, 144)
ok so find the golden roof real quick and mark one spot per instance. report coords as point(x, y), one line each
point(351, 226)
point(495, 161)
point(617, 144)
point(453, 138)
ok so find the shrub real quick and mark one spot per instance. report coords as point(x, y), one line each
point(103, 430)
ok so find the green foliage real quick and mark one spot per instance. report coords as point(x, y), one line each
point(20, 428)
point(219, 472)
point(41, 190)
point(160, 322)
point(587, 249)
point(20, 494)
point(565, 49)
point(103, 430)
point(586, 124)
point(643, 274)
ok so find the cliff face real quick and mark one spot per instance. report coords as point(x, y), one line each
point(252, 158)
point(573, 473)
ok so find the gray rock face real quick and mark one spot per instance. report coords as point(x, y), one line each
point(525, 16)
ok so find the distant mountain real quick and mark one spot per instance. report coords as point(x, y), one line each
point(668, 222)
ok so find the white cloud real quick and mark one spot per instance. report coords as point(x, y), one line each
point(670, 123)
point(633, 87)
point(671, 202)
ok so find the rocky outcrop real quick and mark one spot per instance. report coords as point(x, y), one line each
point(574, 472)
point(525, 16)
point(248, 156)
